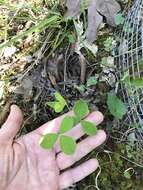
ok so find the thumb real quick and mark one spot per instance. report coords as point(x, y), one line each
point(12, 125)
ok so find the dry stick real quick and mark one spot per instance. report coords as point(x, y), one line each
point(83, 67)
point(96, 179)
point(65, 68)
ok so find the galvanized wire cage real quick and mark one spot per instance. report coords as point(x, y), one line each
point(129, 59)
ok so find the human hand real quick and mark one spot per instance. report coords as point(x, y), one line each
point(25, 165)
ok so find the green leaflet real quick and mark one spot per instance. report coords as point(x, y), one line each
point(67, 144)
point(89, 128)
point(66, 125)
point(48, 141)
point(81, 109)
point(116, 107)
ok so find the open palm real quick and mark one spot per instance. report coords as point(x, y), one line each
point(25, 165)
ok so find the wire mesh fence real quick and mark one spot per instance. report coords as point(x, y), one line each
point(129, 61)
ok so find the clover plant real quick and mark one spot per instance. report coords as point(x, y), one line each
point(67, 143)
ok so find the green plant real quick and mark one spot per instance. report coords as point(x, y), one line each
point(59, 104)
point(91, 81)
point(67, 143)
point(108, 44)
point(53, 20)
point(116, 107)
point(71, 38)
point(132, 83)
point(84, 5)
point(119, 19)
point(81, 39)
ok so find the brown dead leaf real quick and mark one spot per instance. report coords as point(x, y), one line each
point(73, 7)
point(96, 10)
point(94, 21)
point(109, 9)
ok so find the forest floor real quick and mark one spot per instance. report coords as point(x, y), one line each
point(42, 53)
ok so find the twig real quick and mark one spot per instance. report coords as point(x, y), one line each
point(65, 68)
point(83, 67)
point(96, 179)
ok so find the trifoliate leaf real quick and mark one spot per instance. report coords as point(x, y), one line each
point(59, 104)
point(48, 141)
point(66, 125)
point(116, 107)
point(89, 128)
point(81, 109)
point(67, 144)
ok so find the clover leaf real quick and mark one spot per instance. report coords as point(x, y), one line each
point(81, 109)
point(67, 144)
point(89, 128)
point(48, 140)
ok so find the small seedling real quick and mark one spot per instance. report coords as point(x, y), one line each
point(67, 143)
point(59, 104)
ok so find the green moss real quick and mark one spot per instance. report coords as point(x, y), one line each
point(113, 167)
